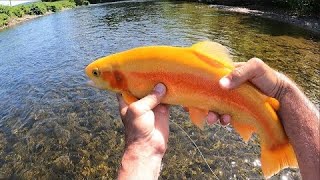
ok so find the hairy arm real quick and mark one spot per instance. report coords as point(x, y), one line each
point(138, 163)
point(300, 119)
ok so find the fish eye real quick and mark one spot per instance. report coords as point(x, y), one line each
point(96, 72)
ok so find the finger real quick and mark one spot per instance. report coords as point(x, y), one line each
point(225, 119)
point(150, 101)
point(212, 118)
point(238, 64)
point(122, 106)
point(161, 113)
point(242, 73)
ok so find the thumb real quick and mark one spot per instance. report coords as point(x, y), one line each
point(245, 72)
point(152, 100)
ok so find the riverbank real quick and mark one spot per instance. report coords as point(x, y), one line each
point(16, 21)
point(311, 23)
point(13, 15)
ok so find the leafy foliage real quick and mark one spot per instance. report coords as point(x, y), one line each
point(39, 8)
point(3, 19)
point(16, 11)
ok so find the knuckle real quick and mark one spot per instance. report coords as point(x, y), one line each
point(256, 60)
point(259, 65)
point(238, 72)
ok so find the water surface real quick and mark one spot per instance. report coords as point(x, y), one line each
point(52, 125)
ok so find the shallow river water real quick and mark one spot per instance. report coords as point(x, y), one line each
point(52, 125)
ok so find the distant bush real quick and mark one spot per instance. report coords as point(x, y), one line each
point(68, 4)
point(16, 11)
point(76, 2)
point(54, 7)
point(38, 8)
point(81, 2)
point(5, 10)
point(4, 19)
point(25, 9)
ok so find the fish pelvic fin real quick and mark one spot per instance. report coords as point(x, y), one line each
point(128, 97)
point(213, 53)
point(198, 116)
point(275, 159)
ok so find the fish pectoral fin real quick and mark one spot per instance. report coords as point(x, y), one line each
point(198, 116)
point(128, 97)
point(214, 51)
point(277, 158)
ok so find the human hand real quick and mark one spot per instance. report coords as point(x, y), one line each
point(259, 74)
point(146, 123)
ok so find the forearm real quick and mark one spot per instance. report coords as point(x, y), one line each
point(138, 164)
point(300, 119)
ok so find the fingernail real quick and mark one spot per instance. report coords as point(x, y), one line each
point(160, 88)
point(225, 82)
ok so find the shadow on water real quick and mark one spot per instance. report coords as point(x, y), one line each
point(278, 28)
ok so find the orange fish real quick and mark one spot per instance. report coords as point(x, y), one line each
point(191, 75)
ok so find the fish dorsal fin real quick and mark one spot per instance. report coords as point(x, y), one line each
point(215, 52)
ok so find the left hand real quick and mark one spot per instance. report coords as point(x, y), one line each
point(146, 123)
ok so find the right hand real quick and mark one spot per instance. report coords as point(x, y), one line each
point(267, 80)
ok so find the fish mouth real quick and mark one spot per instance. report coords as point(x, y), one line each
point(92, 84)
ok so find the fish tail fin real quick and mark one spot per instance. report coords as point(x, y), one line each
point(275, 159)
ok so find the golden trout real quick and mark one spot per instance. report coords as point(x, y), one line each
point(191, 75)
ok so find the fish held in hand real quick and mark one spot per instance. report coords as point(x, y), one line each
point(191, 75)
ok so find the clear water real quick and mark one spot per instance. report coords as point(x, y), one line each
point(52, 125)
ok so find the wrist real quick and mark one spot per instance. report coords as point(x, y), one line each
point(142, 162)
point(144, 151)
point(283, 86)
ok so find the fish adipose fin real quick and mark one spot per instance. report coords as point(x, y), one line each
point(213, 53)
point(128, 97)
point(274, 103)
point(198, 117)
point(275, 159)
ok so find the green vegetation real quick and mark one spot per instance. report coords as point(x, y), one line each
point(39, 8)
